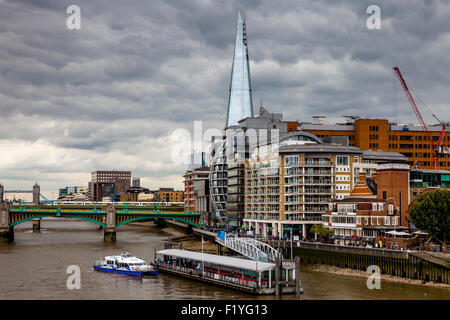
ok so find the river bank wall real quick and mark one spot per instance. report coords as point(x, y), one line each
point(395, 265)
point(404, 264)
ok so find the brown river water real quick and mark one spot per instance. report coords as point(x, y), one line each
point(34, 267)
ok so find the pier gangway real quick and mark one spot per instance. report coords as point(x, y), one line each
point(249, 247)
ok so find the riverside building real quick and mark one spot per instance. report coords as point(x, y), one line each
point(423, 180)
point(365, 215)
point(288, 185)
point(191, 178)
point(380, 134)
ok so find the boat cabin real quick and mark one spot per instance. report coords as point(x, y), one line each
point(239, 273)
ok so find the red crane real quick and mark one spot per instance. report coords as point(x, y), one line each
point(439, 147)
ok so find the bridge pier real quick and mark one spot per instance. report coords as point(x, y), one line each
point(109, 234)
point(37, 225)
point(6, 231)
point(6, 234)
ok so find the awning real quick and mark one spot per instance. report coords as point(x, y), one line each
point(397, 233)
point(420, 233)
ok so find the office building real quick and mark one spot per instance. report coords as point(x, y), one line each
point(423, 180)
point(108, 184)
point(380, 134)
point(169, 195)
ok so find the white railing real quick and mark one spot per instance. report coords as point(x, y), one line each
point(251, 248)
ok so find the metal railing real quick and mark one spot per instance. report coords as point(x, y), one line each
point(251, 248)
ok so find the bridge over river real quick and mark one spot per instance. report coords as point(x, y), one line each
point(109, 217)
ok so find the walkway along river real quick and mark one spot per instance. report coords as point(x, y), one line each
point(34, 267)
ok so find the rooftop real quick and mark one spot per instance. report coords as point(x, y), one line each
point(219, 260)
point(357, 200)
point(383, 155)
point(320, 148)
point(361, 190)
point(431, 171)
point(351, 127)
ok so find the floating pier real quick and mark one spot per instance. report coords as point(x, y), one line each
point(249, 276)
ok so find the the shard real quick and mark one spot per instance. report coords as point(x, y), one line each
point(240, 104)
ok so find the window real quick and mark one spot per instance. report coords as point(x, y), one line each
point(290, 160)
point(342, 160)
point(394, 221)
point(390, 209)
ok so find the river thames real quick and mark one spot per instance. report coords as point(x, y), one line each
point(34, 267)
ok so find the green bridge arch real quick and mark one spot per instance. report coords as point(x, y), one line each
point(101, 223)
point(56, 216)
point(170, 218)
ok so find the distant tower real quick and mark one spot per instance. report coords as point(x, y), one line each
point(240, 102)
point(1, 192)
point(36, 193)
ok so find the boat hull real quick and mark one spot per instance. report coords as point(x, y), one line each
point(127, 272)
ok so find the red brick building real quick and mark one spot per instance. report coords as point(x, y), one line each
point(190, 177)
point(393, 186)
point(365, 215)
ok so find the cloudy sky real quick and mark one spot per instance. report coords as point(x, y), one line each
point(108, 96)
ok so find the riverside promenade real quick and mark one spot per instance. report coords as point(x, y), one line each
point(418, 265)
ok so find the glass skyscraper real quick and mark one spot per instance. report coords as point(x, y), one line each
point(240, 104)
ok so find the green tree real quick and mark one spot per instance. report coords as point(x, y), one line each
point(431, 213)
point(321, 230)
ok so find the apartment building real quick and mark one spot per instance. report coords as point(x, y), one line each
point(190, 177)
point(228, 161)
point(288, 185)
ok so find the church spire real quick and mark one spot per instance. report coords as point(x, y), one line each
point(240, 102)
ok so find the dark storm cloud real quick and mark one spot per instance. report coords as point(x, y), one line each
point(110, 94)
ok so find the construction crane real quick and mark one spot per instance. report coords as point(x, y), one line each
point(438, 148)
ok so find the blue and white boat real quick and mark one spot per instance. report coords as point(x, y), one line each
point(127, 264)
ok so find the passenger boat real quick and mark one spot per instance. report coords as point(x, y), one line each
point(127, 264)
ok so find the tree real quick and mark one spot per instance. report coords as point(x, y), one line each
point(320, 229)
point(431, 213)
